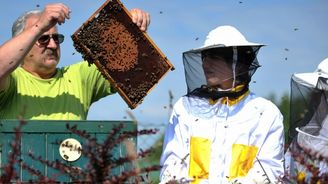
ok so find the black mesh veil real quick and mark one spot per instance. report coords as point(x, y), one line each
point(194, 72)
point(308, 106)
point(308, 131)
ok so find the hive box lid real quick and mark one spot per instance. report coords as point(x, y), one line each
point(125, 55)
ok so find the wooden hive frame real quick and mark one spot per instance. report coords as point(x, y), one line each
point(125, 55)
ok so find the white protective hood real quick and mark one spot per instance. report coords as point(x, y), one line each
point(311, 79)
point(318, 144)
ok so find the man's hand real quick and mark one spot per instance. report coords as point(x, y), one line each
point(141, 18)
point(53, 14)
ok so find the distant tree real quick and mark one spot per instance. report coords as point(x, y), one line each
point(283, 103)
point(153, 159)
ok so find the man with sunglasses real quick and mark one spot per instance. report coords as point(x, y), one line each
point(32, 86)
point(220, 132)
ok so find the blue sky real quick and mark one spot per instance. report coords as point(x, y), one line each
point(295, 32)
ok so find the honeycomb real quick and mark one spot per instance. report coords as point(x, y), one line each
point(125, 55)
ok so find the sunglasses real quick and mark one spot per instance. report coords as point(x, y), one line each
point(45, 39)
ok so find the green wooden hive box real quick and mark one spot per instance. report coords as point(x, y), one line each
point(52, 140)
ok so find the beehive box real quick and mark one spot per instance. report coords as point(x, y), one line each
point(43, 138)
point(125, 55)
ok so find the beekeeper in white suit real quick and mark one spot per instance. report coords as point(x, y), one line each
point(313, 136)
point(220, 132)
point(316, 141)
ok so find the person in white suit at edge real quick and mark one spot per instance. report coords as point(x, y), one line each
point(312, 137)
point(220, 131)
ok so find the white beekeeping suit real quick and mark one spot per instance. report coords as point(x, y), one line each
point(225, 140)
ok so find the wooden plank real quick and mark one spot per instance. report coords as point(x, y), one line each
point(33, 143)
point(38, 126)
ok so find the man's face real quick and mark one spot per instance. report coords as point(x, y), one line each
point(42, 58)
point(218, 71)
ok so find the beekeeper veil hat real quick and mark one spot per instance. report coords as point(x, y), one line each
point(225, 37)
point(309, 109)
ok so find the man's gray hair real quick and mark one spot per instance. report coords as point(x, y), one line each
point(20, 22)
